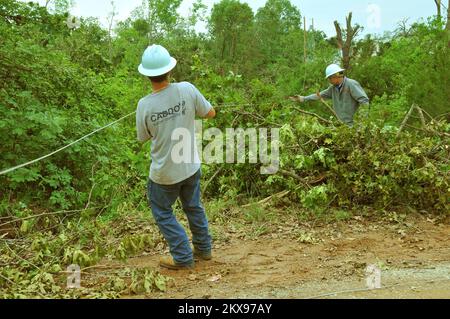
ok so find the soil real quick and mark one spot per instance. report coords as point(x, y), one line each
point(329, 262)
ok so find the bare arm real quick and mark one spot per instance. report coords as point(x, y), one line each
point(211, 114)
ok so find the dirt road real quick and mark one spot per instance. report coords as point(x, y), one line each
point(327, 262)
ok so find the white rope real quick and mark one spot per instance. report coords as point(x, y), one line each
point(83, 138)
point(65, 147)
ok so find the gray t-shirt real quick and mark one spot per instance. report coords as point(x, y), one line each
point(168, 119)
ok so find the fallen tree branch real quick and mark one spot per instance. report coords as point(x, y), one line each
point(265, 200)
point(405, 120)
point(328, 106)
point(291, 174)
point(429, 131)
point(302, 180)
point(40, 215)
point(313, 114)
point(212, 178)
point(422, 118)
point(28, 262)
point(258, 118)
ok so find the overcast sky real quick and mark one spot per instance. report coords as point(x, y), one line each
point(375, 16)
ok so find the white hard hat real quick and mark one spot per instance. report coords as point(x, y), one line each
point(332, 69)
point(156, 61)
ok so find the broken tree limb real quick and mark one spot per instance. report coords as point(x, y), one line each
point(266, 200)
point(292, 174)
point(405, 120)
point(346, 45)
point(40, 215)
point(328, 106)
point(428, 131)
point(313, 114)
point(422, 117)
point(212, 178)
point(302, 180)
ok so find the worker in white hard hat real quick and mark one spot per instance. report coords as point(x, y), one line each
point(347, 94)
point(167, 118)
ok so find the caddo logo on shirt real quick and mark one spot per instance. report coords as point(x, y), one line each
point(177, 110)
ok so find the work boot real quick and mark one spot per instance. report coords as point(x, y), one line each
point(202, 254)
point(169, 263)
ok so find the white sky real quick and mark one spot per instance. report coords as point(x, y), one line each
point(324, 12)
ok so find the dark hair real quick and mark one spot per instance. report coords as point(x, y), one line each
point(159, 78)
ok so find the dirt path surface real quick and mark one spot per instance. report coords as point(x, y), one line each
point(329, 262)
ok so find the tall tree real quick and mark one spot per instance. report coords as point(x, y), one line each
point(230, 21)
point(448, 17)
point(158, 16)
point(111, 17)
point(60, 6)
point(345, 39)
point(274, 21)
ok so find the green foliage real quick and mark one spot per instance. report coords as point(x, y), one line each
point(157, 17)
point(145, 281)
point(58, 84)
point(368, 166)
point(409, 67)
point(277, 19)
point(230, 24)
point(131, 245)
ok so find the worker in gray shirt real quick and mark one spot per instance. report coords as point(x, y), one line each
point(347, 94)
point(167, 118)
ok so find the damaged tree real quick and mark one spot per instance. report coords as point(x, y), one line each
point(346, 46)
point(438, 5)
point(448, 17)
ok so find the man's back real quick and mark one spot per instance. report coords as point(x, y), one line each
point(168, 118)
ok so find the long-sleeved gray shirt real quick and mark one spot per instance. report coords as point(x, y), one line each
point(346, 99)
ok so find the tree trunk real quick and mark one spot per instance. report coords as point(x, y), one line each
point(346, 46)
point(223, 47)
point(438, 5)
point(448, 17)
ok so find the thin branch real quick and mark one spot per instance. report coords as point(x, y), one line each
point(422, 118)
point(328, 106)
point(40, 215)
point(93, 186)
point(9, 280)
point(28, 262)
point(405, 120)
point(265, 200)
point(313, 114)
point(212, 178)
point(428, 131)
point(424, 111)
point(258, 117)
point(442, 115)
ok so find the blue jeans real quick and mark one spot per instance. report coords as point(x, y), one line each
point(161, 199)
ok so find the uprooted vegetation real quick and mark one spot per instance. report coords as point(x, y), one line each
point(88, 204)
